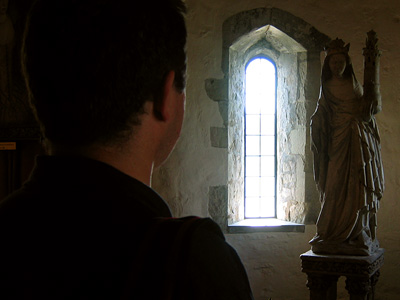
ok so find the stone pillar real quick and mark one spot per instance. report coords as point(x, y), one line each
point(322, 287)
point(358, 288)
point(323, 271)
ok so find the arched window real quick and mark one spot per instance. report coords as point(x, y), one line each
point(260, 139)
point(294, 47)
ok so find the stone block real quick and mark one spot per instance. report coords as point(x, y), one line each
point(218, 204)
point(219, 137)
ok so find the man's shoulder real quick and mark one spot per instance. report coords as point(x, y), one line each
point(214, 263)
point(199, 260)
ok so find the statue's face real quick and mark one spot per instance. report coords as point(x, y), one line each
point(337, 64)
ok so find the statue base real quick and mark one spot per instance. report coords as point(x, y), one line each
point(323, 272)
point(362, 248)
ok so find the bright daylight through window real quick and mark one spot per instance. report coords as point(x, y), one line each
point(260, 139)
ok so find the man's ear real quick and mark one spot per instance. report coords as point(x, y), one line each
point(162, 109)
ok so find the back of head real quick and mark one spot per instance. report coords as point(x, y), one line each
point(90, 65)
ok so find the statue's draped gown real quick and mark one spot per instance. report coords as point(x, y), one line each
point(348, 172)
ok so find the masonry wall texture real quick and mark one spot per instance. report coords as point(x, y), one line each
point(250, 34)
point(195, 177)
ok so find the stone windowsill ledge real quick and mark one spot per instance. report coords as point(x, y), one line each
point(265, 225)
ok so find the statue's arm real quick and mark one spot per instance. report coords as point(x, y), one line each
point(372, 55)
point(319, 145)
point(376, 106)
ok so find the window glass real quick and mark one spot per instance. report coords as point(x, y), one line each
point(260, 139)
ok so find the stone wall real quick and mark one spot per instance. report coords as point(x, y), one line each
point(246, 35)
point(194, 180)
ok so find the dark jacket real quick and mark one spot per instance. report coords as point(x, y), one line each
point(80, 229)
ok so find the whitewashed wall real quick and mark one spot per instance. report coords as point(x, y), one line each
point(272, 260)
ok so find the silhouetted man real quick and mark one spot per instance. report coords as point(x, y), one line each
point(106, 80)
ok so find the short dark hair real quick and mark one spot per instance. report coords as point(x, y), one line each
point(90, 65)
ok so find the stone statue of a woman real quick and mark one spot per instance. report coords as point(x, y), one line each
point(347, 158)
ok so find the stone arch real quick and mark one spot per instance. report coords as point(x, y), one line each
point(290, 41)
point(243, 23)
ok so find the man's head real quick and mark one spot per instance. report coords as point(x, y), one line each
point(91, 65)
point(3, 7)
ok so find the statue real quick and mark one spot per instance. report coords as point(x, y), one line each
point(348, 168)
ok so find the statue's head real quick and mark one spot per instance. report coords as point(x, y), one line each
point(336, 46)
point(337, 64)
point(337, 60)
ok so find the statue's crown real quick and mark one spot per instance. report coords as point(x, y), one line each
point(336, 46)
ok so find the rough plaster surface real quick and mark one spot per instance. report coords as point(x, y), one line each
point(272, 260)
point(273, 264)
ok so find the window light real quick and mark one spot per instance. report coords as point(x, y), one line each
point(260, 139)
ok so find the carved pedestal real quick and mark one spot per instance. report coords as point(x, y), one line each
point(323, 271)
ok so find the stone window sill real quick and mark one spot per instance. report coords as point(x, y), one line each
point(265, 225)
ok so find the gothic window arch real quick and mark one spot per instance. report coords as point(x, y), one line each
point(295, 47)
